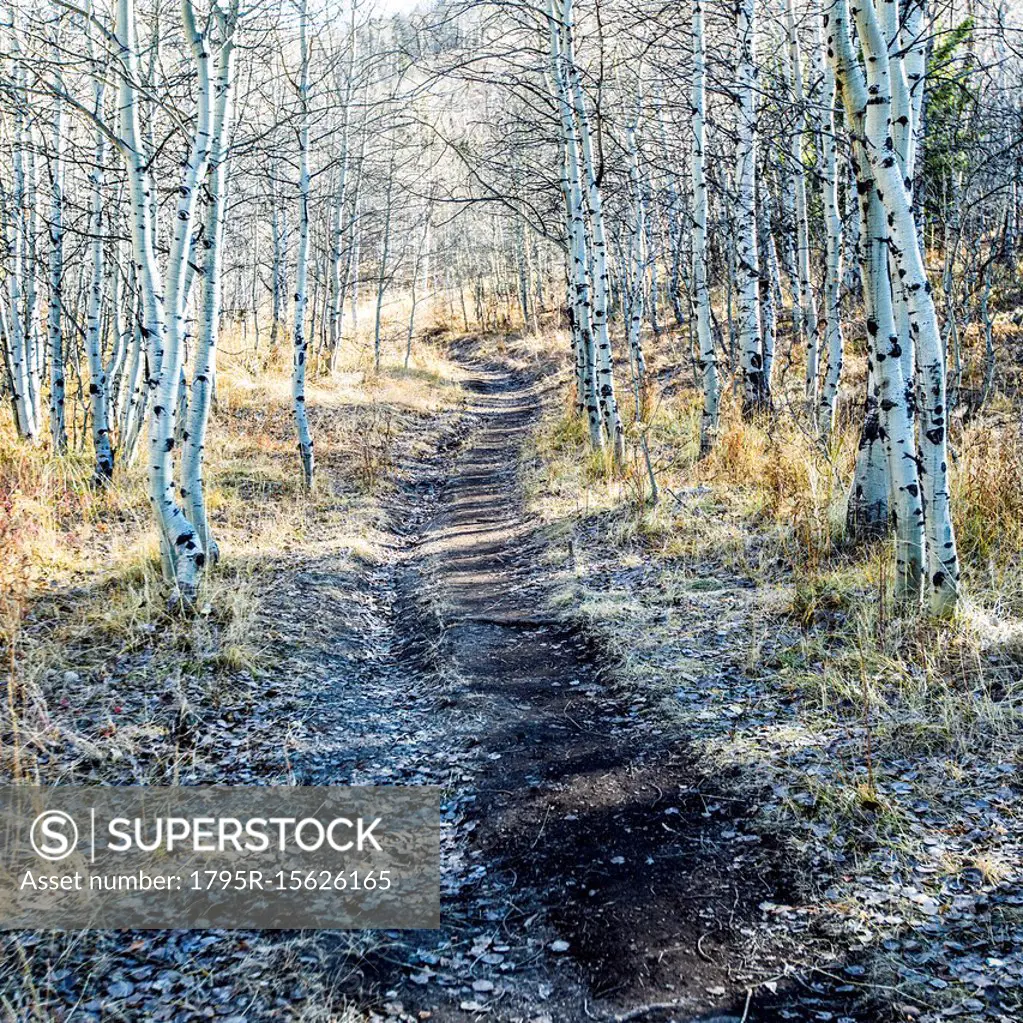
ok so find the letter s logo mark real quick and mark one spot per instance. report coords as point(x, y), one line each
point(54, 835)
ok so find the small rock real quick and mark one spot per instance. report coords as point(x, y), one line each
point(560, 945)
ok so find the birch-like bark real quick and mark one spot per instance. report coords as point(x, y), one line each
point(298, 375)
point(807, 302)
point(893, 406)
point(204, 375)
point(635, 267)
point(16, 327)
point(707, 359)
point(58, 429)
point(833, 341)
point(902, 145)
point(98, 384)
point(635, 284)
point(892, 399)
point(599, 278)
point(36, 350)
point(181, 552)
point(578, 255)
point(894, 190)
point(579, 354)
point(756, 396)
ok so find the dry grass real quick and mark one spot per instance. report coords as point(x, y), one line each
point(739, 613)
point(102, 684)
point(83, 601)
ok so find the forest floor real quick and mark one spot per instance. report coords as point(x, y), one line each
point(602, 859)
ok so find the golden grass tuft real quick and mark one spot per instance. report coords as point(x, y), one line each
point(832, 693)
point(81, 587)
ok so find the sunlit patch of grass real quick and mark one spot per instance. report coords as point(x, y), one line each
point(756, 633)
point(987, 503)
point(91, 587)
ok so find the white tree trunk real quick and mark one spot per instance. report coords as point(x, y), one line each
point(894, 190)
point(893, 397)
point(36, 350)
point(578, 254)
point(58, 429)
point(204, 374)
point(98, 383)
point(635, 266)
point(298, 375)
point(599, 278)
point(181, 552)
point(707, 360)
point(807, 302)
point(756, 396)
point(21, 356)
point(833, 341)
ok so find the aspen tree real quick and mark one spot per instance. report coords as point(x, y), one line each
point(635, 279)
point(635, 264)
point(833, 340)
point(204, 374)
point(298, 375)
point(58, 429)
point(578, 254)
point(707, 359)
point(893, 394)
point(98, 380)
point(19, 350)
point(181, 552)
point(894, 191)
point(756, 395)
point(599, 279)
point(36, 351)
point(806, 302)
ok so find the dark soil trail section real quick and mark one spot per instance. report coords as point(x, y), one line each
point(590, 869)
point(587, 872)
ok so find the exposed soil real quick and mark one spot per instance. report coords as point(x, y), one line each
point(589, 865)
point(586, 876)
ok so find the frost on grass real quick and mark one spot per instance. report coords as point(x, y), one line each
point(879, 748)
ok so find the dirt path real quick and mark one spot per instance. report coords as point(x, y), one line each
point(590, 870)
point(586, 876)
